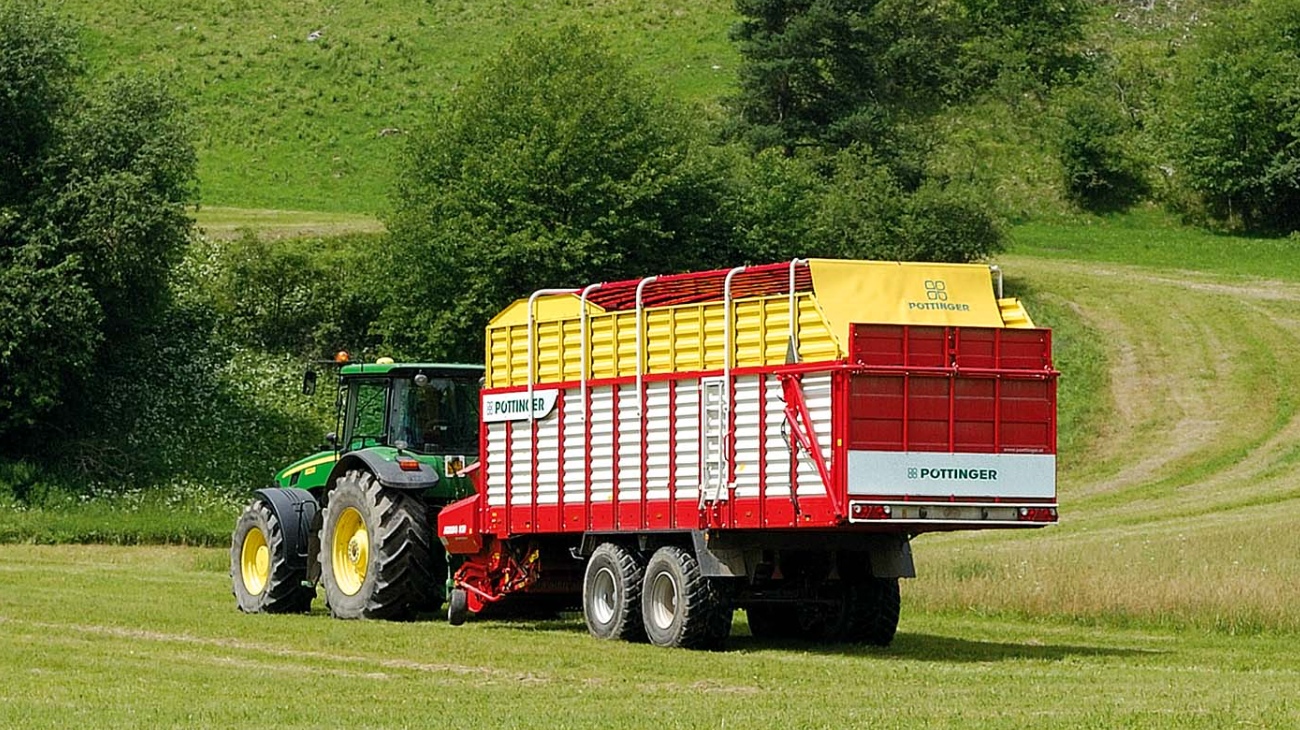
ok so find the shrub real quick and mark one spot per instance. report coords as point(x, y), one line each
point(1235, 132)
point(1100, 173)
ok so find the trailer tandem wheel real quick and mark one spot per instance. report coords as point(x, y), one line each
point(376, 554)
point(866, 613)
point(261, 576)
point(611, 593)
point(773, 621)
point(680, 606)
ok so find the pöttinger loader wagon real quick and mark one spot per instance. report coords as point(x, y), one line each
point(666, 450)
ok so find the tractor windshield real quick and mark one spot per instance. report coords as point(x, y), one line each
point(435, 415)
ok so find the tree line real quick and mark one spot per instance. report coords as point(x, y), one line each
point(557, 164)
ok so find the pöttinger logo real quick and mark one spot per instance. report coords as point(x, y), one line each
point(936, 294)
point(912, 473)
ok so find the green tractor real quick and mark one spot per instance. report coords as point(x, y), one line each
point(358, 517)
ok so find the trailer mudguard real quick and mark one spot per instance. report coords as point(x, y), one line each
point(386, 471)
point(891, 557)
point(296, 509)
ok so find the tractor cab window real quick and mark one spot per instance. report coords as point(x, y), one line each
point(366, 401)
point(436, 415)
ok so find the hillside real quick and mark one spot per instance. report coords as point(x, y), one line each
point(301, 106)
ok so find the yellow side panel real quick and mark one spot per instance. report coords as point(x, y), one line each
point(688, 337)
point(553, 307)
point(1014, 314)
point(955, 295)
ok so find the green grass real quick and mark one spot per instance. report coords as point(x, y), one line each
point(288, 123)
point(155, 518)
point(102, 637)
point(1151, 238)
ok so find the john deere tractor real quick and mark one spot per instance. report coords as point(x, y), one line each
point(358, 517)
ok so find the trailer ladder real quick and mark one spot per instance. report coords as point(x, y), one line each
point(713, 437)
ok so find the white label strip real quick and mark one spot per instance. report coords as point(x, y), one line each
point(499, 407)
point(927, 474)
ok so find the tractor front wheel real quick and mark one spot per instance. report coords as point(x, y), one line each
point(262, 575)
point(376, 551)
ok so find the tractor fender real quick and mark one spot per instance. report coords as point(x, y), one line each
point(296, 509)
point(387, 473)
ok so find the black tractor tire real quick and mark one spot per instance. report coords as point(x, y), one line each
point(262, 576)
point(680, 607)
point(376, 552)
point(611, 593)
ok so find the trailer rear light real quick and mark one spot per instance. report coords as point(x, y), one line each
point(871, 511)
point(408, 464)
point(1038, 514)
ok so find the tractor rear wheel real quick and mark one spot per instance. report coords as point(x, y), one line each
point(680, 606)
point(376, 551)
point(261, 574)
point(611, 593)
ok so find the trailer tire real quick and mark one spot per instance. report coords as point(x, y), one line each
point(866, 614)
point(879, 603)
point(680, 606)
point(376, 550)
point(773, 621)
point(611, 593)
point(261, 575)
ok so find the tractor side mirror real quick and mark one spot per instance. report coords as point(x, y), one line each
point(309, 382)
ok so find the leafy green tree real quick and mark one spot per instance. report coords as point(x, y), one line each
point(865, 213)
point(115, 195)
point(838, 72)
point(1235, 111)
point(37, 69)
point(49, 332)
point(554, 166)
point(92, 195)
point(1101, 173)
point(1030, 39)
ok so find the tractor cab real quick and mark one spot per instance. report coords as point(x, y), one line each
point(419, 408)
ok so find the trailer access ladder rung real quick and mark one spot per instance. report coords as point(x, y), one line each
point(713, 449)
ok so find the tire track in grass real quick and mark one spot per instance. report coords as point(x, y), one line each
point(316, 661)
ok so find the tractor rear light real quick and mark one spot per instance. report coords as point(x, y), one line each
point(408, 464)
point(1037, 514)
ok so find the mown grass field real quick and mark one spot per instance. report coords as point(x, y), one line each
point(147, 637)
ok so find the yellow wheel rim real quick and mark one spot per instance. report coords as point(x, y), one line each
point(350, 551)
point(255, 562)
